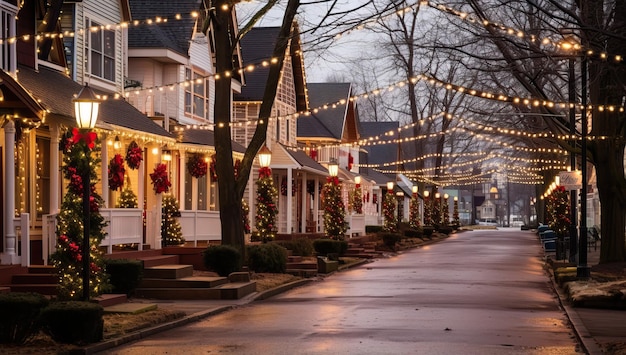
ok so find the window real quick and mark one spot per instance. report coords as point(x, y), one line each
point(196, 94)
point(7, 28)
point(101, 47)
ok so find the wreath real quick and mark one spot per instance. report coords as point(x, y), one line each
point(213, 169)
point(196, 166)
point(160, 181)
point(116, 172)
point(134, 155)
point(283, 187)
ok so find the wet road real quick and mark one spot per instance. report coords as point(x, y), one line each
point(480, 292)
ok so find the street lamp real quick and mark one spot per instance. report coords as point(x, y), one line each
point(86, 106)
point(400, 196)
point(333, 167)
point(265, 157)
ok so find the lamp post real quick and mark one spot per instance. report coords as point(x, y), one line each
point(389, 208)
point(265, 216)
point(357, 202)
point(582, 270)
point(86, 106)
point(427, 209)
point(445, 211)
point(334, 210)
point(399, 196)
point(573, 239)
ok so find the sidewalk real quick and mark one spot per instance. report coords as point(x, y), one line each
point(595, 328)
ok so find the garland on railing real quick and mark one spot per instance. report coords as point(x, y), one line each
point(134, 155)
point(196, 166)
point(160, 180)
point(116, 172)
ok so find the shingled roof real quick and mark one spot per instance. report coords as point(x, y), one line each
point(173, 34)
point(55, 91)
point(256, 46)
point(206, 137)
point(326, 123)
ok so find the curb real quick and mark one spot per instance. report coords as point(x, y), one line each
point(140, 334)
point(586, 340)
point(280, 289)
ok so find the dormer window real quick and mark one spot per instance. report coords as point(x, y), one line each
point(101, 50)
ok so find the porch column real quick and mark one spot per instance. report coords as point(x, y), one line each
point(303, 210)
point(9, 256)
point(289, 201)
point(104, 172)
point(54, 170)
point(181, 179)
point(316, 203)
point(141, 182)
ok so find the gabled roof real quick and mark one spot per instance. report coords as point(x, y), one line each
point(54, 91)
point(173, 34)
point(332, 122)
point(206, 137)
point(257, 46)
point(304, 161)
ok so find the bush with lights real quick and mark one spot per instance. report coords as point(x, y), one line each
point(68, 257)
point(334, 209)
point(171, 231)
point(265, 218)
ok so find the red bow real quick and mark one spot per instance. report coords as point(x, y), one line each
point(88, 137)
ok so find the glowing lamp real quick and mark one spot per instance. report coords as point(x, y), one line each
point(333, 167)
point(265, 157)
point(86, 106)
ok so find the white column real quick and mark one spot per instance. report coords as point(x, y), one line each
point(181, 175)
point(104, 172)
point(9, 256)
point(303, 210)
point(55, 191)
point(141, 185)
point(316, 203)
point(289, 201)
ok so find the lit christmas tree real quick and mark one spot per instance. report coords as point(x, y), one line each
point(127, 198)
point(559, 207)
point(428, 209)
point(171, 231)
point(68, 258)
point(414, 212)
point(436, 213)
point(334, 209)
point(445, 212)
point(265, 219)
point(357, 199)
point(389, 213)
point(455, 213)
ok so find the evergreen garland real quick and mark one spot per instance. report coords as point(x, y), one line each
point(267, 194)
point(389, 213)
point(171, 231)
point(436, 214)
point(334, 209)
point(428, 211)
point(357, 200)
point(68, 257)
point(414, 212)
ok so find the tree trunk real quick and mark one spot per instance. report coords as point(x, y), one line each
point(231, 190)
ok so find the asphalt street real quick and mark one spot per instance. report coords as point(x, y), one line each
point(477, 292)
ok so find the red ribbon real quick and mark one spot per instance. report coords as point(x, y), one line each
point(88, 137)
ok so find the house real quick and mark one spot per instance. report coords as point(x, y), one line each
point(171, 68)
point(39, 80)
point(296, 174)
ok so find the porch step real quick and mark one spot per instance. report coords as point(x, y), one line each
point(151, 261)
point(171, 271)
point(34, 279)
point(185, 282)
point(44, 289)
point(111, 299)
point(4, 289)
point(42, 269)
point(302, 265)
point(229, 291)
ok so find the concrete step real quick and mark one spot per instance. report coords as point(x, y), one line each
point(5, 289)
point(164, 293)
point(34, 279)
point(302, 265)
point(168, 271)
point(236, 290)
point(44, 289)
point(111, 299)
point(151, 261)
point(294, 259)
point(185, 282)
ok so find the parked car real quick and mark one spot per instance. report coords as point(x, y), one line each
point(487, 222)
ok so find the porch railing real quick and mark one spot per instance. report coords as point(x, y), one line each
point(124, 226)
point(22, 229)
point(48, 236)
point(200, 226)
point(356, 225)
